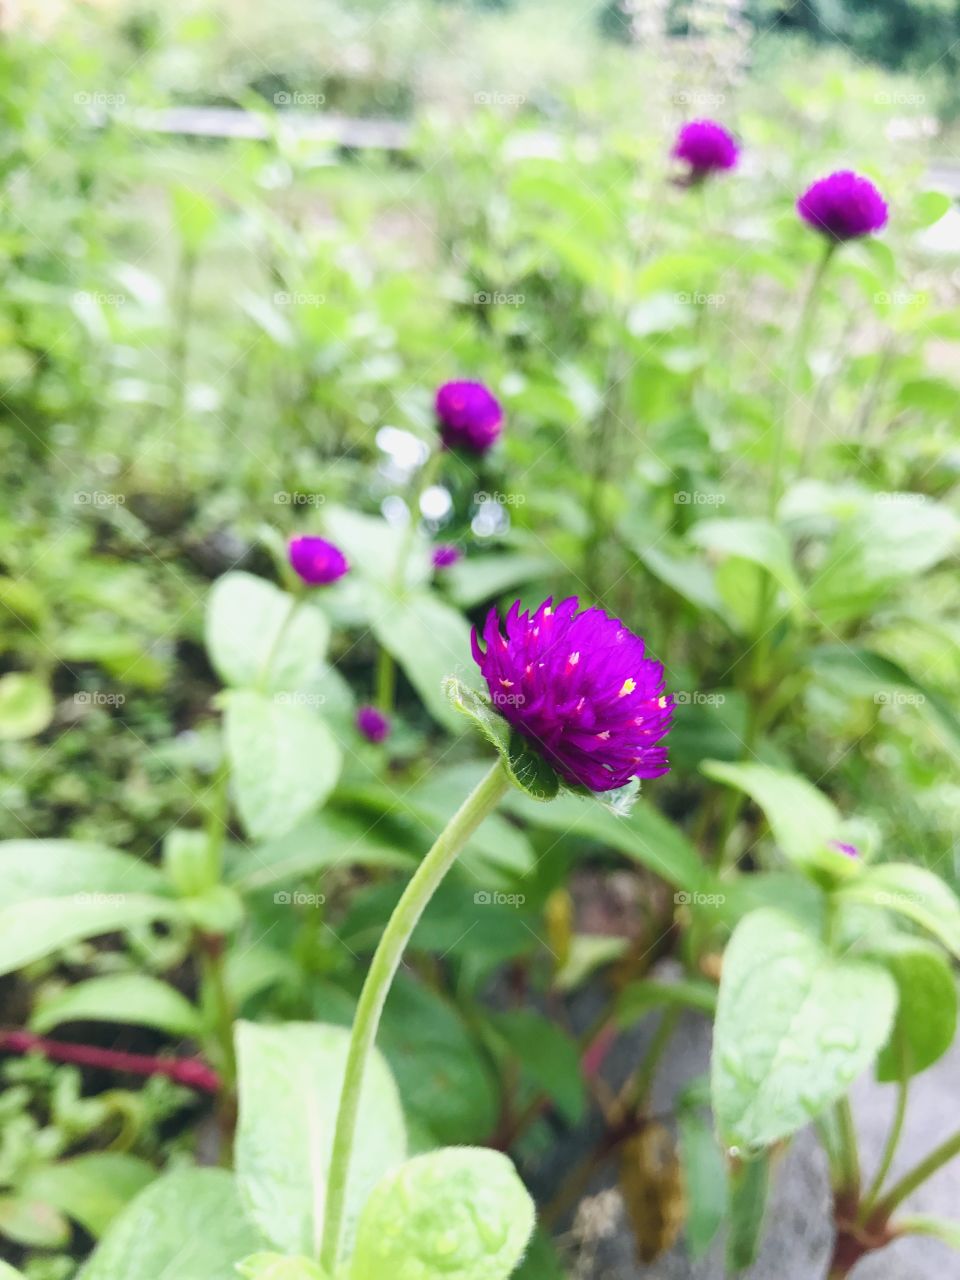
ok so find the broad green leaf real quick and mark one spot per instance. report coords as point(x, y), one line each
point(528, 771)
point(445, 1082)
point(758, 541)
point(429, 641)
point(43, 925)
point(7, 1272)
point(285, 761)
point(289, 1080)
point(548, 1057)
point(186, 1225)
point(690, 577)
point(92, 1189)
point(803, 821)
point(32, 1223)
point(929, 207)
point(638, 998)
point(259, 636)
point(373, 547)
point(913, 892)
point(122, 997)
point(926, 1008)
point(26, 705)
point(795, 1027)
point(749, 1187)
point(71, 868)
point(324, 842)
point(459, 1211)
point(275, 1266)
point(642, 834)
point(704, 1179)
point(473, 582)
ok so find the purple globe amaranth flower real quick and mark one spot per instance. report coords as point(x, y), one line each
point(373, 724)
point(446, 555)
point(706, 147)
point(843, 206)
point(578, 687)
point(316, 561)
point(841, 846)
point(469, 415)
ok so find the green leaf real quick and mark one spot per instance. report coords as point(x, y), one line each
point(244, 620)
point(929, 207)
point(549, 1058)
point(802, 819)
point(758, 541)
point(92, 1189)
point(285, 761)
point(7, 1272)
point(194, 215)
point(123, 997)
point(688, 576)
point(447, 1088)
point(749, 1188)
point(428, 640)
point(795, 1026)
point(913, 892)
point(186, 1224)
point(926, 1009)
point(643, 834)
point(473, 582)
point(926, 1225)
point(704, 1180)
point(43, 925)
point(638, 998)
point(460, 1211)
point(33, 1223)
point(275, 1266)
point(26, 705)
point(528, 771)
point(289, 1089)
point(66, 868)
point(373, 546)
point(328, 840)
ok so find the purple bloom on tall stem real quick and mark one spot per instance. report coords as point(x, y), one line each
point(373, 724)
point(446, 555)
point(469, 416)
point(843, 206)
point(706, 147)
point(578, 687)
point(316, 561)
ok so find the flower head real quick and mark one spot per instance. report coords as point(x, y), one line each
point(446, 555)
point(707, 147)
point(316, 561)
point(578, 686)
point(843, 206)
point(469, 415)
point(373, 724)
point(841, 846)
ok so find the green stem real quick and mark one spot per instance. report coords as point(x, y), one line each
point(893, 1137)
point(849, 1158)
point(637, 1093)
point(920, 1173)
point(386, 668)
point(217, 1002)
point(481, 802)
point(264, 677)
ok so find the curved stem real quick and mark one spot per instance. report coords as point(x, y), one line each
point(893, 1137)
point(849, 1157)
point(481, 801)
point(920, 1173)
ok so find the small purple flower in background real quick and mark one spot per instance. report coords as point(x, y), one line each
point(373, 724)
point(446, 555)
point(469, 415)
point(841, 846)
point(706, 147)
point(843, 206)
point(578, 686)
point(316, 561)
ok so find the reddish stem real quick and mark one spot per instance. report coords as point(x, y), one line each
point(190, 1072)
